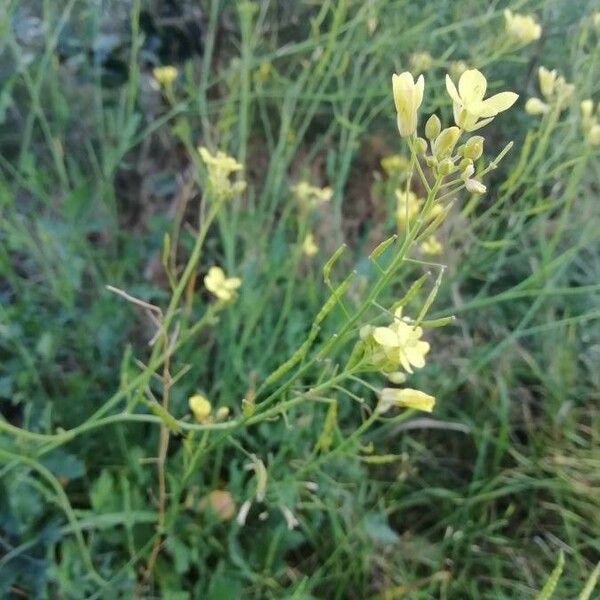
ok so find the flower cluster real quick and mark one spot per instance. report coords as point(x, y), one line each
point(310, 196)
point(220, 167)
point(555, 92)
point(201, 408)
point(589, 122)
point(421, 62)
point(408, 206)
point(472, 111)
point(396, 349)
point(395, 165)
point(522, 29)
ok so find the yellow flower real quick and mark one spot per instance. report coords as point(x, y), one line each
point(431, 246)
point(310, 196)
point(564, 91)
point(222, 412)
point(469, 105)
point(408, 96)
point(535, 106)
point(594, 135)
point(200, 407)
point(394, 164)
point(220, 161)
point(407, 398)
point(401, 343)
point(165, 76)
point(421, 61)
point(222, 287)
point(547, 81)
point(587, 109)
point(308, 245)
point(522, 28)
point(407, 207)
point(220, 166)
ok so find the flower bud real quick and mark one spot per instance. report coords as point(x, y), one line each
point(200, 407)
point(431, 161)
point(433, 127)
point(594, 135)
point(547, 81)
point(534, 106)
point(473, 147)
point(222, 412)
point(465, 163)
point(444, 143)
point(587, 108)
point(408, 96)
point(420, 146)
point(446, 167)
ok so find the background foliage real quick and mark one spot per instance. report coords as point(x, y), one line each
point(96, 165)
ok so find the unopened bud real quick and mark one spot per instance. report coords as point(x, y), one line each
point(587, 108)
point(432, 127)
point(464, 164)
point(420, 146)
point(431, 161)
point(445, 142)
point(534, 106)
point(594, 135)
point(446, 167)
point(473, 147)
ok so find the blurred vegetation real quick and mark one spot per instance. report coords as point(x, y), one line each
point(97, 164)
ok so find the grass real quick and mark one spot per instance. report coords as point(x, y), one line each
point(479, 499)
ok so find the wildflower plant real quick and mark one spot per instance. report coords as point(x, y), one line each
point(257, 374)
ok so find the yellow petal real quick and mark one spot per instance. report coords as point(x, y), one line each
point(472, 86)
point(233, 283)
point(497, 103)
point(451, 89)
point(385, 336)
point(419, 87)
point(479, 124)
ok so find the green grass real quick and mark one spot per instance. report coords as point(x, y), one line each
point(477, 500)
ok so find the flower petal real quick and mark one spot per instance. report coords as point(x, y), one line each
point(453, 92)
point(385, 336)
point(419, 87)
point(499, 102)
point(480, 124)
point(233, 283)
point(472, 86)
